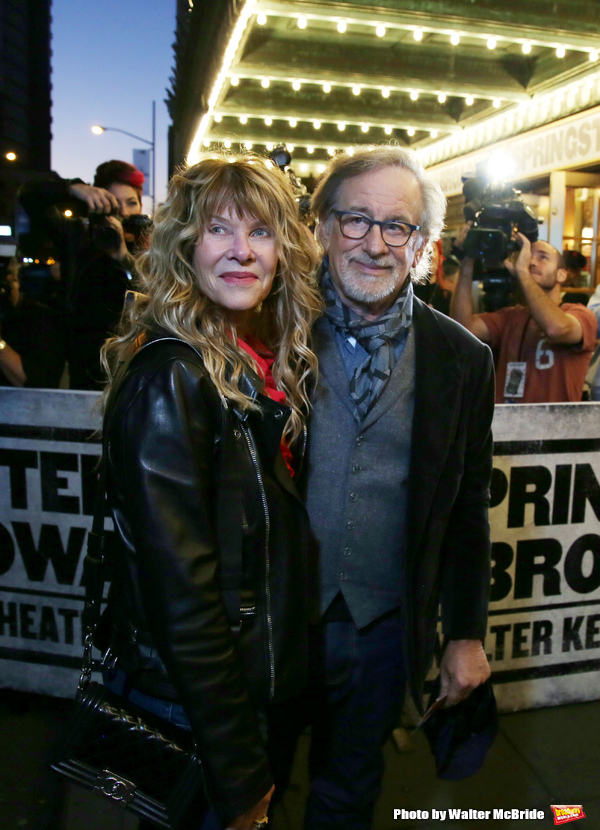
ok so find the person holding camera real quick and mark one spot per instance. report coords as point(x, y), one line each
point(32, 349)
point(543, 348)
point(95, 254)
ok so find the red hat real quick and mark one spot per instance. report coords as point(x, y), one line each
point(120, 172)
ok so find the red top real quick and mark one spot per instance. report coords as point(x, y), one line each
point(264, 359)
point(555, 373)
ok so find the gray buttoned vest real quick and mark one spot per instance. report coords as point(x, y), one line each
point(357, 483)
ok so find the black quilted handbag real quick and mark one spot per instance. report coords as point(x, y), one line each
point(131, 757)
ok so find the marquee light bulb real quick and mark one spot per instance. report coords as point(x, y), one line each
point(455, 38)
point(302, 22)
point(442, 97)
point(497, 103)
point(290, 147)
point(356, 89)
point(292, 122)
point(387, 130)
point(469, 100)
point(218, 118)
point(341, 126)
point(433, 133)
point(385, 92)
point(560, 51)
point(410, 131)
point(350, 151)
point(341, 26)
point(248, 145)
point(365, 128)
point(594, 55)
point(310, 149)
point(269, 146)
point(268, 120)
point(331, 151)
point(234, 80)
point(206, 142)
point(491, 43)
point(261, 19)
point(227, 143)
point(243, 119)
point(526, 47)
point(326, 87)
point(317, 124)
point(380, 30)
point(414, 95)
point(265, 83)
point(418, 34)
point(296, 85)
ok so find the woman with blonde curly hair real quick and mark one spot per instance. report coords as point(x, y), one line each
point(204, 413)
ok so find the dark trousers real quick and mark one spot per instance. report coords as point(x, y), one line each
point(353, 703)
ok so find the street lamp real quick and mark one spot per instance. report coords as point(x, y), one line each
point(98, 130)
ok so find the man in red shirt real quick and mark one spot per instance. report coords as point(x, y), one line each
point(543, 349)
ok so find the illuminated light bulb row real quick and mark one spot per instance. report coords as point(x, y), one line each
point(357, 89)
point(310, 148)
point(341, 125)
point(417, 32)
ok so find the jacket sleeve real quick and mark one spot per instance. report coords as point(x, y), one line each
point(161, 453)
point(466, 547)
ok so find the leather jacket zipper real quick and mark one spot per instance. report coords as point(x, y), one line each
point(263, 495)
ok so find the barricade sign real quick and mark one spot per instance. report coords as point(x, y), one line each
point(543, 635)
point(49, 450)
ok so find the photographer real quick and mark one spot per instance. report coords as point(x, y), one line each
point(32, 349)
point(95, 254)
point(543, 348)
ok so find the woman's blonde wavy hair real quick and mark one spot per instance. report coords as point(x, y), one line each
point(171, 299)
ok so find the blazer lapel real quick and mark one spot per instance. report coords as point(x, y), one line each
point(438, 385)
point(331, 365)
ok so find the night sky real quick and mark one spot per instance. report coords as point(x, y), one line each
point(110, 60)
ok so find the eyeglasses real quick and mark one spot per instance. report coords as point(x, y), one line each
point(357, 226)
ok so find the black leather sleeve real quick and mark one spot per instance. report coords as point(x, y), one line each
point(161, 451)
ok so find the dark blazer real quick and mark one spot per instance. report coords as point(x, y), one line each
point(447, 545)
point(448, 537)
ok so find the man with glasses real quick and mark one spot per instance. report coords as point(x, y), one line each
point(397, 477)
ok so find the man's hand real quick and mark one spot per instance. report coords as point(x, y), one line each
point(97, 199)
point(520, 265)
point(464, 667)
point(245, 821)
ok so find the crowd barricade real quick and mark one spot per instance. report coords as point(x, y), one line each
point(543, 637)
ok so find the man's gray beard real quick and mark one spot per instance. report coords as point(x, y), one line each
point(368, 290)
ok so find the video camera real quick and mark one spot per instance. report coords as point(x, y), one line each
point(496, 211)
point(106, 238)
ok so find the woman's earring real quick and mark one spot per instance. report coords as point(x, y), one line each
point(258, 308)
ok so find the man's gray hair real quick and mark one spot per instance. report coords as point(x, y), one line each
point(344, 166)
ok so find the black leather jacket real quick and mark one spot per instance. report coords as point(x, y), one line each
point(210, 580)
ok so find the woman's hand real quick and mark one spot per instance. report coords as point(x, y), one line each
point(246, 820)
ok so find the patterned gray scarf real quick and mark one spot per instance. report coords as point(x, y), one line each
point(377, 337)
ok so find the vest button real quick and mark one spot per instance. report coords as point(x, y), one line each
point(347, 551)
point(350, 525)
point(360, 440)
point(356, 468)
point(353, 496)
point(343, 576)
point(279, 413)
